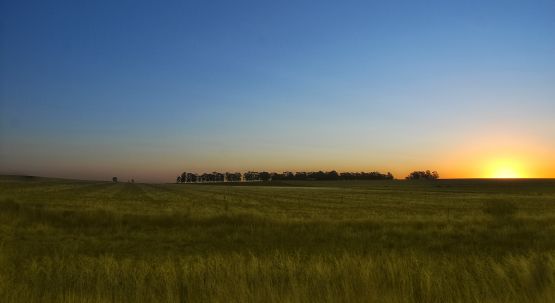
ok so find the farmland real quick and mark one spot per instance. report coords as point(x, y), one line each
point(294, 241)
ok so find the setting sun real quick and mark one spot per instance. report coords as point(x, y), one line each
point(505, 169)
point(506, 172)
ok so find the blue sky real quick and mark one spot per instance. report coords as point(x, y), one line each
point(145, 89)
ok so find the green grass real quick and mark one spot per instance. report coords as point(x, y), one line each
point(337, 241)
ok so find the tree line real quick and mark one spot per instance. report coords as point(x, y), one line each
point(252, 176)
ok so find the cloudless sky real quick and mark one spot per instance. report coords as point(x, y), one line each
point(147, 89)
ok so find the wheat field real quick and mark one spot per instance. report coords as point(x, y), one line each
point(337, 241)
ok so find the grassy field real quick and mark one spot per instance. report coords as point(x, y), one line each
point(365, 241)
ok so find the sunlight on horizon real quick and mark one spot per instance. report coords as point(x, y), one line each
point(506, 169)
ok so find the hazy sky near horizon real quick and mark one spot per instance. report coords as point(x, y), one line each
point(147, 89)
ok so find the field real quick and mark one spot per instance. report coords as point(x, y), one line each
point(365, 241)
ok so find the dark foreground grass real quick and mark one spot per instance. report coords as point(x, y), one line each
point(445, 241)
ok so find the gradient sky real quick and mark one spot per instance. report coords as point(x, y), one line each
point(147, 89)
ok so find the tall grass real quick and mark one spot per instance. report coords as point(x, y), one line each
point(63, 241)
point(284, 277)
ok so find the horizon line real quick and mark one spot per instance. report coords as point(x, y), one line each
point(395, 179)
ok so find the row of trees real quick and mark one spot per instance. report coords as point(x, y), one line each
point(208, 177)
point(115, 180)
point(252, 176)
point(332, 175)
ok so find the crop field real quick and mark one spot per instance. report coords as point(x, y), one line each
point(298, 241)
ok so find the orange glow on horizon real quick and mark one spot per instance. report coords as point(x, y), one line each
point(506, 169)
point(498, 155)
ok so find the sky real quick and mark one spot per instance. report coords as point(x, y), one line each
point(148, 89)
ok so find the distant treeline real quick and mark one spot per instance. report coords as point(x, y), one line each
point(264, 176)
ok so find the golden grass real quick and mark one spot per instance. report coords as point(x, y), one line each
point(65, 241)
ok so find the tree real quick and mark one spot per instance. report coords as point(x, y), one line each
point(178, 179)
point(183, 177)
point(191, 178)
point(423, 175)
point(233, 177)
point(251, 176)
point(115, 179)
point(264, 176)
point(218, 177)
point(332, 175)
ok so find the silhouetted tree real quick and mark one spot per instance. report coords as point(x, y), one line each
point(218, 177)
point(332, 175)
point(264, 176)
point(251, 176)
point(423, 175)
point(190, 177)
point(115, 179)
point(233, 177)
